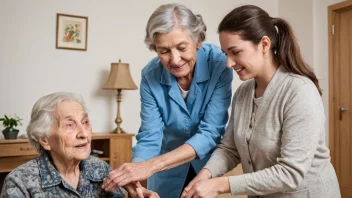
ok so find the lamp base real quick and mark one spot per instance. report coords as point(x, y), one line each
point(119, 130)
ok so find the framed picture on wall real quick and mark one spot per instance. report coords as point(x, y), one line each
point(71, 32)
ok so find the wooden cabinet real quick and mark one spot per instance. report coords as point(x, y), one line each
point(117, 150)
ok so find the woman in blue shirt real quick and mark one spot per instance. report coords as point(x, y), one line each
point(185, 95)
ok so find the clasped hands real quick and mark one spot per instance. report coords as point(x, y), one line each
point(128, 176)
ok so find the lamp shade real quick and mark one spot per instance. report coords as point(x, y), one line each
point(120, 77)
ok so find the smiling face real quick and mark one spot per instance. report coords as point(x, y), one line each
point(70, 134)
point(177, 52)
point(246, 58)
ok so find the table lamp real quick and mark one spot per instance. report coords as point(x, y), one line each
point(120, 78)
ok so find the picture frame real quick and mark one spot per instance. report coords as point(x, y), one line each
point(71, 32)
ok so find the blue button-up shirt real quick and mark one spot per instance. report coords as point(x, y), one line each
point(39, 178)
point(168, 121)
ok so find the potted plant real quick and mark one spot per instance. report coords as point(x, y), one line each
point(10, 132)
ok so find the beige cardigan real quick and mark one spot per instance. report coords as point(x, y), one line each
point(286, 155)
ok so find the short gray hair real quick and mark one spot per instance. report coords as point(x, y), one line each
point(43, 115)
point(166, 17)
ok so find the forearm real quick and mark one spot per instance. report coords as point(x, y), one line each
point(181, 155)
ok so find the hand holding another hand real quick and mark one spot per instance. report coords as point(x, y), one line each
point(127, 173)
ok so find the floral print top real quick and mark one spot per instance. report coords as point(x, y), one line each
point(39, 178)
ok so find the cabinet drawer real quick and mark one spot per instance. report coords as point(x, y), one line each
point(17, 149)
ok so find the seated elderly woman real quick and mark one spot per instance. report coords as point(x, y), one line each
point(60, 131)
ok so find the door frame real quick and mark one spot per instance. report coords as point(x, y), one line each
point(332, 11)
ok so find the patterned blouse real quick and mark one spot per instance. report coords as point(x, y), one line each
point(39, 178)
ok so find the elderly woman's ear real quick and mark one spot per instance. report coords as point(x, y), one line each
point(44, 142)
point(199, 44)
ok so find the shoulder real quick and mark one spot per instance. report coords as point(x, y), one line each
point(296, 83)
point(153, 67)
point(22, 176)
point(29, 169)
point(213, 53)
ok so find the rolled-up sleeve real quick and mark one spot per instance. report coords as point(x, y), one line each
point(212, 126)
point(150, 133)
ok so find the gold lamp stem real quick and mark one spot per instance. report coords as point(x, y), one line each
point(118, 118)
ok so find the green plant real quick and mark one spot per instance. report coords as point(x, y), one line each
point(10, 122)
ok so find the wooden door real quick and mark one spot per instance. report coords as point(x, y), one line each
point(340, 89)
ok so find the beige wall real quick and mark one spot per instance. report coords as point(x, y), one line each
point(31, 67)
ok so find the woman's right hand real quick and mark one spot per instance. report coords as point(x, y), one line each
point(127, 173)
point(202, 175)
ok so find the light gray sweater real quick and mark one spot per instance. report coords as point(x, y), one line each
point(286, 155)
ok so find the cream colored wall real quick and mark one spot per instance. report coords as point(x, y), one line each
point(31, 67)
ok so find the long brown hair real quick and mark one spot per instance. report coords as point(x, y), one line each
point(252, 23)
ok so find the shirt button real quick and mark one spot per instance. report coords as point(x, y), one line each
point(187, 117)
point(186, 130)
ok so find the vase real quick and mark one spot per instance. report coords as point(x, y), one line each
point(10, 135)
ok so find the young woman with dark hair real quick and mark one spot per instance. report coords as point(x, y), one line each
point(276, 129)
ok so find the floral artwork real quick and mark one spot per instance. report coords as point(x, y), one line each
point(71, 32)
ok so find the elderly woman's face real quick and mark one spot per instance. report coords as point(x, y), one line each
point(177, 52)
point(70, 135)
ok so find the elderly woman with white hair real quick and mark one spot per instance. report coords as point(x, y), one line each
point(185, 94)
point(61, 132)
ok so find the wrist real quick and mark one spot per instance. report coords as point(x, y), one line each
point(205, 173)
point(155, 165)
point(222, 185)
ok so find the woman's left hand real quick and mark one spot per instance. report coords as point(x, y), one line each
point(208, 188)
point(127, 173)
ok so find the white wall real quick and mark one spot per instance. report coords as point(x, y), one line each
point(31, 67)
point(299, 13)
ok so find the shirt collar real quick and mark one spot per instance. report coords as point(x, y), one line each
point(51, 177)
point(48, 173)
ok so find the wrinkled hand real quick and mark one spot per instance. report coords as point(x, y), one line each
point(202, 175)
point(125, 174)
point(208, 188)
